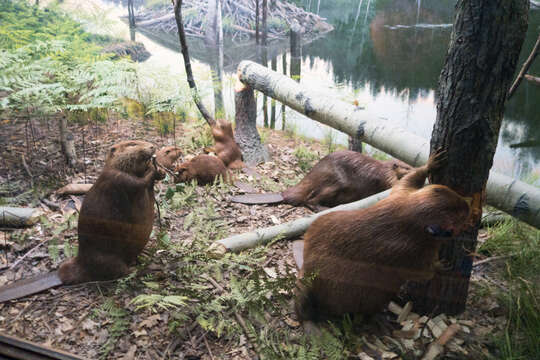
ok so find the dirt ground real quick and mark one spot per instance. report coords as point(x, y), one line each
point(180, 303)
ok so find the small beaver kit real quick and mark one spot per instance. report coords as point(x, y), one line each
point(115, 222)
point(356, 261)
point(225, 146)
point(203, 168)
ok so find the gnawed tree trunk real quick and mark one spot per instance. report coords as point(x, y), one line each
point(67, 142)
point(246, 135)
point(378, 133)
point(484, 49)
point(187, 63)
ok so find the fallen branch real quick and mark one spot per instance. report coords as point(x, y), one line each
point(74, 189)
point(18, 261)
point(284, 231)
point(17, 217)
point(534, 79)
point(238, 317)
point(525, 68)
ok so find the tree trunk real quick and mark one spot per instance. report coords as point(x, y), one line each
point(484, 49)
point(187, 63)
point(131, 14)
point(210, 33)
point(507, 194)
point(355, 144)
point(257, 21)
point(296, 50)
point(283, 109)
point(264, 15)
point(246, 135)
point(67, 142)
point(273, 65)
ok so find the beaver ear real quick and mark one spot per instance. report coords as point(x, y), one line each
point(438, 231)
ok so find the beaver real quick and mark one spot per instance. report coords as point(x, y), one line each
point(115, 222)
point(166, 156)
point(203, 168)
point(356, 261)
point(225, 146)
point(338, 178)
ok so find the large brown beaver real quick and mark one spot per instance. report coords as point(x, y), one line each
point(225, 146)
point(166, 156)
point(114, 225)
point(203, 168)
point(339, 178)
point(356, 261)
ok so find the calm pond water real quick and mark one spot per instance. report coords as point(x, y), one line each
point(387, 55)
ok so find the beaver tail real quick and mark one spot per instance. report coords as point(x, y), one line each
point(30, 286)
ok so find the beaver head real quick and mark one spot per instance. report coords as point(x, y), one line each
point(132, 157)
point(399, 167)
point(442, 211)
point(166, 156)
point(222, 129)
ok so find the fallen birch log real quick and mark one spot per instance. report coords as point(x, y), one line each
point(283, 231)
point(505, 193)
point(17, 217)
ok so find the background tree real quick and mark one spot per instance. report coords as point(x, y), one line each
point(484, 48)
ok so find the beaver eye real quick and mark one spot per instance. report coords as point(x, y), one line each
point(113, 150)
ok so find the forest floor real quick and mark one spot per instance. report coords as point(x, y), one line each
point(180, 303)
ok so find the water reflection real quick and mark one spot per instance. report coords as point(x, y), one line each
point(387, 55)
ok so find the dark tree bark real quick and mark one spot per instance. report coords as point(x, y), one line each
point(273, 66)
point(355, 144)
point(484, 48)
point(257, 21)
point(189, 73)
point(296, 50)
point(283, 112)
point(246, 135)
point(131, 14)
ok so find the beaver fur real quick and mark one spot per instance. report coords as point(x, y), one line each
point(116, 216)
point(203, 168)
point(338, 178)
point(356, 261)
point(225, 146)
point(167, 155)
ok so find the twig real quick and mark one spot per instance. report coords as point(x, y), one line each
point(208, 347)
point(238, 317)
point(27, 170)
point(524, 68)
point(493, 258)
point(28, 253)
